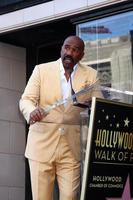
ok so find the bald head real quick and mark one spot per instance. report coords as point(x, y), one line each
point(72, 51)
point(77, 40)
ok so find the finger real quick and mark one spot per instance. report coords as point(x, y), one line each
point(34, 116)
point(41, 111)
point(38, 114)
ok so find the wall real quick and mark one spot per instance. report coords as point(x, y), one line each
point(12, 126)
point(49, 11)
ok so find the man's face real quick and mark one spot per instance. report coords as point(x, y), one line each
point(72, 52)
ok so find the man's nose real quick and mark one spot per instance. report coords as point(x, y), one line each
point(70, 52)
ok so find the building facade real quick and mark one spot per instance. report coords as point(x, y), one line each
point(32, 32)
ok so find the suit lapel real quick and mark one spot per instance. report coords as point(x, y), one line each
point(80, 78)
point(52, 84)
point(57, 80)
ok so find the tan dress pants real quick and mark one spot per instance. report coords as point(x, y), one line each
point(64, 166)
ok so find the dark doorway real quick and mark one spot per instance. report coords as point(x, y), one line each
point(48, 45)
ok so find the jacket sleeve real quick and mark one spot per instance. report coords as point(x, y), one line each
point(30, 97)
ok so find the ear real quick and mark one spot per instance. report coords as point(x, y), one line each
point(82, 55)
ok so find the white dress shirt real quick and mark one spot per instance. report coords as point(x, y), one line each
point(65, 85)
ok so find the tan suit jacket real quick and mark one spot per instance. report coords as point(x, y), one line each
point(44, 89)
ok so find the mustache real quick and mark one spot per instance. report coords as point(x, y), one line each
point(68, 57)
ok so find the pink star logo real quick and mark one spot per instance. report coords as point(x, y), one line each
point(126, 192)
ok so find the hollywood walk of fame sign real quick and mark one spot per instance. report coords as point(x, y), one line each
point(108, 168)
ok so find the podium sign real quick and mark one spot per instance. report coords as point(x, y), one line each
point(108, 169)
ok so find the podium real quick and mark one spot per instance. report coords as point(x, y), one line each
point(107, 150)
point(109, 94)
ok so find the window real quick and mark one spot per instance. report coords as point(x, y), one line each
point(109, 43)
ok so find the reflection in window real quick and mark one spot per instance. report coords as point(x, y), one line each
point(109, 50)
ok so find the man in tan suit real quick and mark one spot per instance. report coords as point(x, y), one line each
point(53, 144)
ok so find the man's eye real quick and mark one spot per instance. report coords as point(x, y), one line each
point(67, 48)
point(76, 50)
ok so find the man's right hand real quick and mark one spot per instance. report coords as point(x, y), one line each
point(37, 115)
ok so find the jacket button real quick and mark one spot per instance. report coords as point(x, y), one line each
point(61, 130)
